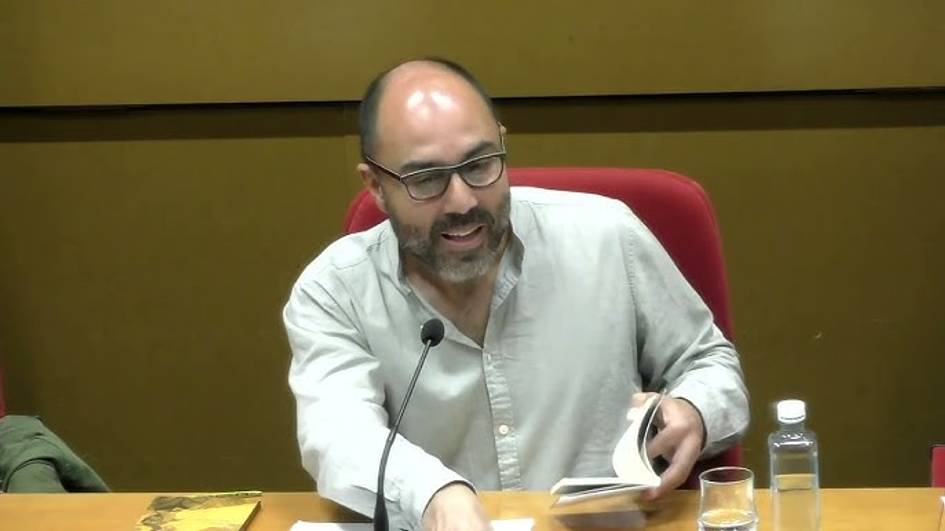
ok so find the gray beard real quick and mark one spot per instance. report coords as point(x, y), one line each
point(461, 268)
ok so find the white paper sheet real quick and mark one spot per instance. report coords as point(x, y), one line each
point(941, 515)
point(517, 524)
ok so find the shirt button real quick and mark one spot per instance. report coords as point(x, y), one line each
point(504, 429)
point(488, 358)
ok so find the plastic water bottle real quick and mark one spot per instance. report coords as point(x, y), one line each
point(795, 475)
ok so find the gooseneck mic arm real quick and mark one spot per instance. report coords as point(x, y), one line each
point(431, 333)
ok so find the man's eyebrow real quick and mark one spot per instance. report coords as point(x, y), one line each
point(483, 147)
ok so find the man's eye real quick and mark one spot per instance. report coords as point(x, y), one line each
point(427, 179)
point(478, 165)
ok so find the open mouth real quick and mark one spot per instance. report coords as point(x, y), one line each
point(464, 239)
point(463, 234)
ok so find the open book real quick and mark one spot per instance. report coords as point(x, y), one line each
point(633, 468)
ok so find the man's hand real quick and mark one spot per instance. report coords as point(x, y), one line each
point(679, 441)
point(455, 507)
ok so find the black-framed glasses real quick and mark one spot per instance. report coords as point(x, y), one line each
point(429, 183)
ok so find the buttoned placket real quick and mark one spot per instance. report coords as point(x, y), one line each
point(497, 386)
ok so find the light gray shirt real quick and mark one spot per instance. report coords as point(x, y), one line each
point(587, 309)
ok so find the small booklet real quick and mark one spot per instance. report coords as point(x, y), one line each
point(633, 468)
point(220, 511)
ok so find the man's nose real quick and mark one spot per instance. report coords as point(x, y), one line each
point(459, 197)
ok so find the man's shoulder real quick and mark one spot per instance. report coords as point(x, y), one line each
point(570, 208)
point(352, 255)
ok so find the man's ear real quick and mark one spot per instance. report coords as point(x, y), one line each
point(372, 182)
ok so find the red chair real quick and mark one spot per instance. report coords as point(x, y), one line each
point(674, 207)
point(938, 465)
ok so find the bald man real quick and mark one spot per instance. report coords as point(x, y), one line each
point(559, 309)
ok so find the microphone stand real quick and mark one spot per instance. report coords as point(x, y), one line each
point(380, 506)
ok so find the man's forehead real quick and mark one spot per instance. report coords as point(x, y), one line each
point(422, 89)
point(418, 72)
point(424, 100)
point(429, 108)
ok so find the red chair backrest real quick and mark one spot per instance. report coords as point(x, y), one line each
point(673, 206)
point(938, 465)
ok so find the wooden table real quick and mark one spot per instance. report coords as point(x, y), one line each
point(843, 509)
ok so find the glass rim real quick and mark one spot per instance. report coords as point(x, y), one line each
point(746, 475)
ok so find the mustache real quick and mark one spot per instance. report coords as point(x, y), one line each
point(476, 215)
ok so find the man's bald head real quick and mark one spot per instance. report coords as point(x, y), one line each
point(371, 101)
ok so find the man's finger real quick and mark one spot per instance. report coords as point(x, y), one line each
point(679, 468)
point(638, 399)
point(662, 444)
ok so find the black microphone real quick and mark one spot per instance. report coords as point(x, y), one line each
point(431, 333)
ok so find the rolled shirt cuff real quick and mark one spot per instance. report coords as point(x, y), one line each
point(414, 501)
point(722, 426)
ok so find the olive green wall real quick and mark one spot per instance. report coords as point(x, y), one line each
point(145, 251)
point(103, 52)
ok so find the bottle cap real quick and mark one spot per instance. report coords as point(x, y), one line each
point(791, 411)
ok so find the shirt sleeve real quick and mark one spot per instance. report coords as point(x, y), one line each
point(679, 346)
point(342, 422)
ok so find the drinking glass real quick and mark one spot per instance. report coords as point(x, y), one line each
point(727, 500)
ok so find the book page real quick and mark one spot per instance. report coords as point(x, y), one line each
point(630, 459)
